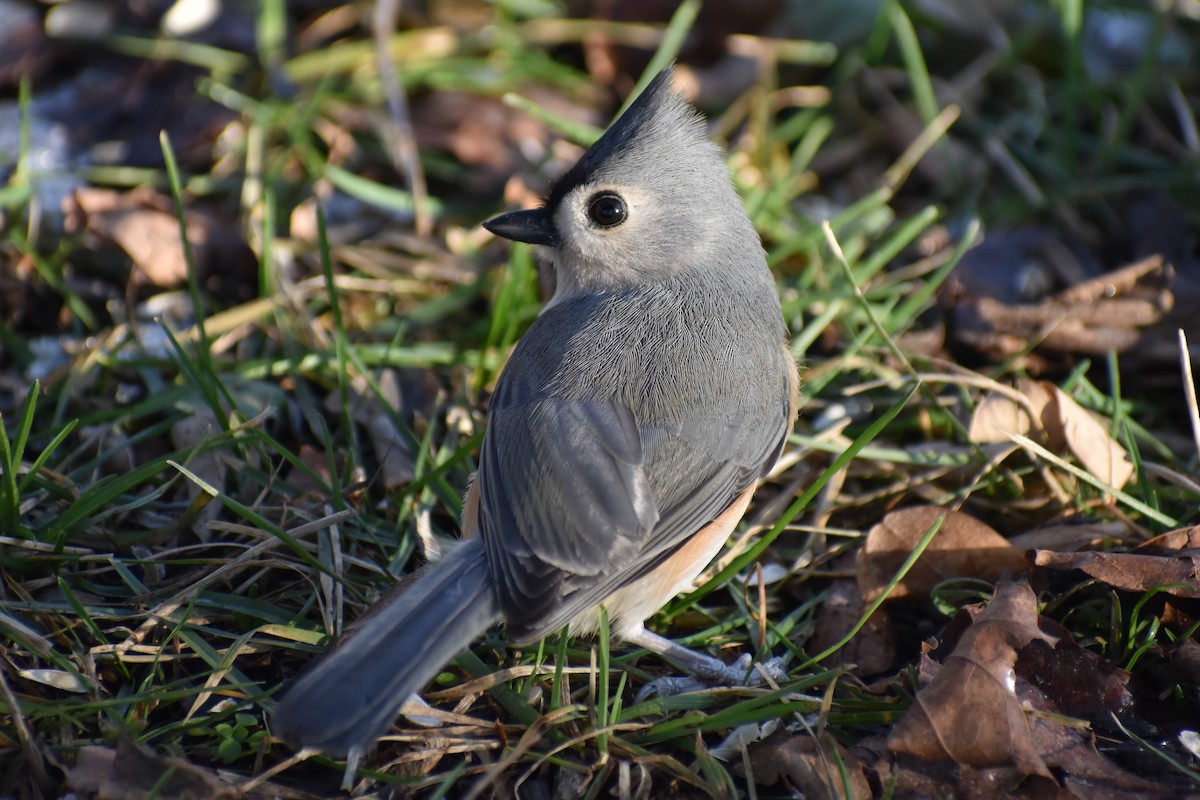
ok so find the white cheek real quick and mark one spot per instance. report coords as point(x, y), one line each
point(592, 258)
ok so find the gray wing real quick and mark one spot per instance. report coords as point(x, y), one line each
point(577, 499)
point(564, 501)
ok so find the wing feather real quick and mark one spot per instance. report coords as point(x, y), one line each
point(583, 490)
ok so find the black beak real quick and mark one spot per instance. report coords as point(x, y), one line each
point(533, 226)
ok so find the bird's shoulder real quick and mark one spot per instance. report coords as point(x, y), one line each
point(593, 344)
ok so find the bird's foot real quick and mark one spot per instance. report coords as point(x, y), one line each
point(711, 672)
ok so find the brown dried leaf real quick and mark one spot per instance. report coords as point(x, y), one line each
point(1041, 396)
point(813, 773)
point(1058, 420)
point(26, 53)
point(946, 780)
point(1087, 774)
point(1088, 440)
point(141, 224)
point(1053, 677)
point(1132, 572)
point(131, 773)
point(495, 140)
point(997, 417)
point(1069, 535)
point(396, 464)
point(964, 547)
point(872, 650)
point(1077, 681)
point(977, 682)
point(609, 59)
point(1091, 776)
point(1181, 539)
point(1094, 315)
point(1185, 658)
point(1055, 681)
point(109, 439)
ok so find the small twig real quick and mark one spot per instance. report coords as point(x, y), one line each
point(1016, 172)
point(533, 734)
point(1172, 476)
point(401, 142)
point(1189, 388)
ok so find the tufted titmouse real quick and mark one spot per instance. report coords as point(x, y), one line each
point(625, 437)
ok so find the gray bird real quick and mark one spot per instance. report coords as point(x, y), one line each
point(625, 437)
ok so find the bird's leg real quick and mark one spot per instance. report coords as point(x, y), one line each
point(708, 670)
point(352, 759)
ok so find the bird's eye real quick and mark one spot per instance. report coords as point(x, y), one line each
point(607, 209)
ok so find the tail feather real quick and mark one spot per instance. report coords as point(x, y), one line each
point(347, 700)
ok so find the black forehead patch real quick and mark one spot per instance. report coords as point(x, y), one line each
point(657, 99)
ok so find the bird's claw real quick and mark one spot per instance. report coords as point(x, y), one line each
point(771, 670)
point(743, 672)
point(669, 687)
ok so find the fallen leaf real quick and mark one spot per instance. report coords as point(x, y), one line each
point(494, 140)
point(1088, 440)
point(1070, 749)
point(827, 772)
point(1077, 681)
point(1185, 658)
point(1043, 412)
point(963, 547)
point(1086, 774)
point(1178, 540)
point(1131, 572)
point(1098, 313)
point(1098, 778)
point(609, 61)
point(977, 682)
point(110, 439)
point(392, 448)
point(998, 415)
point(143, 224)
point(25, 51)
point(914, 778)
point(1026, 677)
point(871, 651)
point(1071, 534)
point(131, 773)
point(310, 474)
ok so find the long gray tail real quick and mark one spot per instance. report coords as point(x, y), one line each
point(347, 700)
